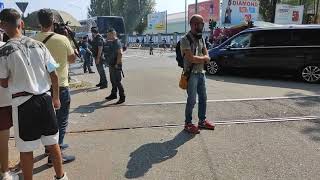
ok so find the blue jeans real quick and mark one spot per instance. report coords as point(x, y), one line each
point(63, 113)
point(196, 85)
point(87, 63)
point(102, 73)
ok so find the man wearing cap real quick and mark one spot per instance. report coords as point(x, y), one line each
point(29, 70)
point(113, 54)
point(97, 47)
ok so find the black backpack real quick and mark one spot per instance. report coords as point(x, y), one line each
point(179, 57)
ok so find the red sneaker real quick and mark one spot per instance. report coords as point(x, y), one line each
point(191, 128)
point(207, 125)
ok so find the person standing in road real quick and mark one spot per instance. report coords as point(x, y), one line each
point(28, 69)
point(86, 55)
point(61, 50)
point(195, 58)
point(5, 125)
point(151, 46)
point(113, 52)
point(97, 48)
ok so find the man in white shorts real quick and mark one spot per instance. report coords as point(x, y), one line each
point(28, 69)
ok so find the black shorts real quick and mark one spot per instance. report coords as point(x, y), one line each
point(35, 121)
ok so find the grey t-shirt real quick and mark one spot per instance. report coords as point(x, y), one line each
point(197, 48)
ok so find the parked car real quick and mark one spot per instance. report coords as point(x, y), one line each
point(293, 49)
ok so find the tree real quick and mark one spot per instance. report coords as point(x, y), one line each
point(133, 11)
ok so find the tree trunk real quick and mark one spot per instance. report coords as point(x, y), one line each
point(317, 12)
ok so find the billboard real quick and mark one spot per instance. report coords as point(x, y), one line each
point(287, 14)
point(239, 11)
point(1, 5)
point(207, 9)
point(157, 22)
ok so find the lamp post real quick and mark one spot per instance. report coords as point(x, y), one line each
point(196, 9)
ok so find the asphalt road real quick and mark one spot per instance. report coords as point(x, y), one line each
point(268, 127)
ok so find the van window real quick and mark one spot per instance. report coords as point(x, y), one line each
point(269, 38)
point(306, 37)
point(241, 41)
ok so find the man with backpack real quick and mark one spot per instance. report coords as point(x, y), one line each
point(62, 51)
point(195, 55)
point(113, 54)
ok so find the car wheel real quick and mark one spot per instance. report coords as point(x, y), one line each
point(311, 73)
point(213, 67)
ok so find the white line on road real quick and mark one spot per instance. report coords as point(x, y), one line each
point(223, 100)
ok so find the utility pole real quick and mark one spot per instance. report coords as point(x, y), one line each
point(185, 16)
point(196, 9)
point(110, 13)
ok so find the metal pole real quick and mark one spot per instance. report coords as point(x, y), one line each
point(185, 16)
point(110, 13)
point(196, 8)
point(166, 22)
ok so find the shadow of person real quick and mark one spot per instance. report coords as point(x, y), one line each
point(144, 157)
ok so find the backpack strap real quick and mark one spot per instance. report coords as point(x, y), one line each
point(47, 38)
point(191, 42)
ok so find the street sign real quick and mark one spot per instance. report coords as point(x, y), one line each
point(22, 6)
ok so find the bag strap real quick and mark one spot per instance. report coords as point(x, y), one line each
point(47, 38)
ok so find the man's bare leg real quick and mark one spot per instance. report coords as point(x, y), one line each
point(55, 154)
point(26, 159)
point(4, 152)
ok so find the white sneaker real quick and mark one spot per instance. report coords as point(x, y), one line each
point(64, 177)
point(10, 176)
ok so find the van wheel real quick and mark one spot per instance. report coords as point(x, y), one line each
point(213, 68)
point(311, 73)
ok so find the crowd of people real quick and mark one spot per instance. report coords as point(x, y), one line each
point(34, 88)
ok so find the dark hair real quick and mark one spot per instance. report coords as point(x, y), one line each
point(45, 17)
point(94, 30)
point(11, 16)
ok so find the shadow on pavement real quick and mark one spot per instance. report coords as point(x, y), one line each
point(257, 79)
point(313, 131)
point(35, 170)
point(84, 90)
point(142, 159)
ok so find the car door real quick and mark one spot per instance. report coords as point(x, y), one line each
point(234, 54)
point(271, 49)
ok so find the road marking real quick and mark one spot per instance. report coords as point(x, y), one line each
point(208, 101)
point(222, 100)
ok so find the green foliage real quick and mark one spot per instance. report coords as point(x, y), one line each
point(134, 12)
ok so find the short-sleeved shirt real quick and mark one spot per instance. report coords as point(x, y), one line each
point(110, 51)
point(96, 43)
point(60, 48)
point(5, 96)
point(197, 48)
point(85, 47)
point(27, 63)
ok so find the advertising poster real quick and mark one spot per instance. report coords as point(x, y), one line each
point(1, 5)
point(208, 10)
point(157, 22)
point(239, 11)
point(287, 14)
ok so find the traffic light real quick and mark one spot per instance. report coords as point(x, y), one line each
point(212, 24)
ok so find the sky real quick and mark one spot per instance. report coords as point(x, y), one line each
point(78, 8)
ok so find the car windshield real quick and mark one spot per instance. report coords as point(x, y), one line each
point(241, 41)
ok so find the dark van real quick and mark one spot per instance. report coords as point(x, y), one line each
point(294, 49)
